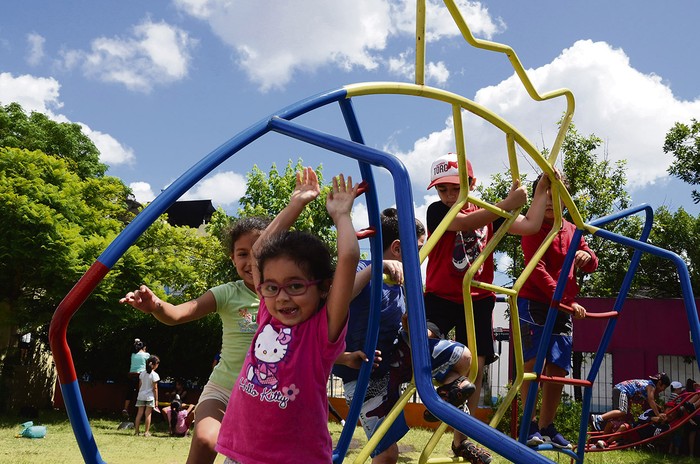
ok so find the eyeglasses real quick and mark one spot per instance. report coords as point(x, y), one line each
point(270, 289)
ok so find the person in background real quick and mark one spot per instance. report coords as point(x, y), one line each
point(147, 398)
point(139, 356)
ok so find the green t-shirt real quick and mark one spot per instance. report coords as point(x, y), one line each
point(237, 306)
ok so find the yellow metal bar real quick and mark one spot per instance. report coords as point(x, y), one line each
point(520, 72)
point(432, 443)
point(420, 42)
point(388, 421)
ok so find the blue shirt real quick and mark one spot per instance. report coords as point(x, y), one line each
point(391, 309)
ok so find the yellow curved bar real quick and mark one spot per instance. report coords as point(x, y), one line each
point(520, 72)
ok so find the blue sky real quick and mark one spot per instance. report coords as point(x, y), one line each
point(158, 85)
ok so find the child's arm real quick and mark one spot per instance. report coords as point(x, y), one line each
point(155, 393)
point(479, 218)
point(306, 190)
point(391, 267)
point(339, 205)
point(148, 302)
point(651, 399)
point(354, 359)
point(531, 223)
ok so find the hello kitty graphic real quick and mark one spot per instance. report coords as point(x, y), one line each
point(270, 349)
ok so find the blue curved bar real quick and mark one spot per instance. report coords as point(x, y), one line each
point(79, 421)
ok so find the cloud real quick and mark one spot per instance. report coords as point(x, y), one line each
point(439, 22)
point(35, 42)
point(154, 54)
point(142, 192)
point(631, 111)
point(403, 66)
point(223, 188)
point(33, 93)
point(41, 94)
point(347, 34)
point(111, 151)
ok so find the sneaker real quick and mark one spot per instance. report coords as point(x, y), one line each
point(471, 453)
point(457, 392)
point(597, 422)
point(601, 444)
point(551, 435)
point(125, 413)
point(534, 437)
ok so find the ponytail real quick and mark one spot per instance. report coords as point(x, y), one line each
point(152, 361)
point(174, 410)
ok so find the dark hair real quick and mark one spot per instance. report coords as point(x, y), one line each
point(304, 249)
point(563, 179)
point(241, 226)
point(661, 377)
point(390, 227)
point(690, 385)
point(151, 363)
point(138, 345)
point(175, 406)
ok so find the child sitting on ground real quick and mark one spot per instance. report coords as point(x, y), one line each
point(179, 418)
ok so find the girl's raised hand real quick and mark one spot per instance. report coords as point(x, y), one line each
point(306, 189)
point(341, 197)
point(142, 299)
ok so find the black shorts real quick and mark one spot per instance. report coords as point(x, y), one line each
point(448, 315)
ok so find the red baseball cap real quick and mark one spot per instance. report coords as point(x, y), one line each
point(445, 170)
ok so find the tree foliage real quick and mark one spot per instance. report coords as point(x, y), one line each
point(59, 139)
point(684, 142)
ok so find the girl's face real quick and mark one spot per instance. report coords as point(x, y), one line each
point(242, 257)
point(290, 309)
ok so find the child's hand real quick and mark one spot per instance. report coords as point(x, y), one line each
point(341, 197)
point(581, 259)
point(579, 311)
point(516, 198)
point(306, 189)
point(355, 359)
point(142, 299)
point(394, 270)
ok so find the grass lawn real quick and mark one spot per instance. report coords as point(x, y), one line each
point(121, 446)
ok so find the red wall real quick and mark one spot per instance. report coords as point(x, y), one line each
point(645, 329)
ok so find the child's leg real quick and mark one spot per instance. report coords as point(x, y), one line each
point(148, 420)
point(208, 416)
point(137, 423)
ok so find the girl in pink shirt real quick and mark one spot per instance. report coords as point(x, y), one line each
point(278, 410)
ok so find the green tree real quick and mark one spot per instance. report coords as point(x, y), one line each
point(597, 187)
point(59, 139)
point(267, 194)
point(684, 142)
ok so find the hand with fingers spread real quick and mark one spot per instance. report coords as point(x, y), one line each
point(341, 197)
point(307, 188)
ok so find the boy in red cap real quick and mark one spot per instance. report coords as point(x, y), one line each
point(458, 247)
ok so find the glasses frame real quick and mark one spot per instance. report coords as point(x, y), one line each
point(285, 287)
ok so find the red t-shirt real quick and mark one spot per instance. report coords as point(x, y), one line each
point(449, 260)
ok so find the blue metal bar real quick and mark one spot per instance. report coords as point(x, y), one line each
point(193, 175)
point(492, 438)
point(376, 251)
point(79, 421)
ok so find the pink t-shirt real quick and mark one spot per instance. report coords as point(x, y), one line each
point(278, 410)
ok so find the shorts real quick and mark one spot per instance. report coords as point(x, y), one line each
point(212, 391)
point(146, 403)
point(620, 401)
point(444, 354)
point(560, 346)
point(380, 398)
point(447, 315)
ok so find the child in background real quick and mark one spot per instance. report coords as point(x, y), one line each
point(458, 247)
point(179, 418)
point(237, 305)
point(139, 356)
point(147, 398)
point(533, 305)
point(638, 391)
point(279, 407)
